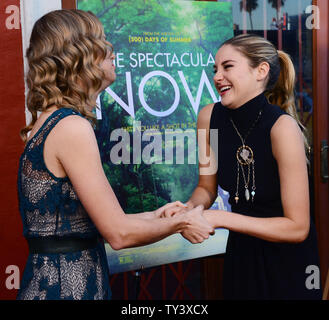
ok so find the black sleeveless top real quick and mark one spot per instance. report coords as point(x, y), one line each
point(255, 268)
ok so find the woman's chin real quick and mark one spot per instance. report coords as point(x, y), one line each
point(225, 102)
point(107, 83)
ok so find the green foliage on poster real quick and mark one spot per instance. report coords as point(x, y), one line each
point(165, 52)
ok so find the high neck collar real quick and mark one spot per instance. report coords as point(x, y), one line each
point(245, 115)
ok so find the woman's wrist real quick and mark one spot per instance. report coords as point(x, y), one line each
point(182, 221)
point(213, 217)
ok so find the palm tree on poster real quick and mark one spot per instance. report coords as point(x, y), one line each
point(251, 5)
point(277, 4)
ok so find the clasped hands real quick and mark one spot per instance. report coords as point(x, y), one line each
point(197, 229)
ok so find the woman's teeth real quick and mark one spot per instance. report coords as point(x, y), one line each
point(225, 88)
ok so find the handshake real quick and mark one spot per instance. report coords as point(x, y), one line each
point(195, 227)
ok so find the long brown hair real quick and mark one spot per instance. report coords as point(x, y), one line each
point(65, 51)
point(281, 79)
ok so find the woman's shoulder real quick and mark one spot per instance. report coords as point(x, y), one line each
point(204, 115)
point(72, 136)
point(271, 114)
point(206, 110)
point(284, 125)
point(74, 125)
point(272, 110)
point(50, 120)
point(207, 113)
point(69, 127)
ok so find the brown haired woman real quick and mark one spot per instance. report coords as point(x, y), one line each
point(263, 166)
point(66, 201)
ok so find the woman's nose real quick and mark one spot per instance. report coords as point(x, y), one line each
point(218, 76)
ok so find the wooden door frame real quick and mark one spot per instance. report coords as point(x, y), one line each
point(321, 132)
point(69, 4)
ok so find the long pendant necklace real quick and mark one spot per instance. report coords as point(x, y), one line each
point(245, 158)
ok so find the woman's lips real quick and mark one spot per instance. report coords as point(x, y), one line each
point(224, 89)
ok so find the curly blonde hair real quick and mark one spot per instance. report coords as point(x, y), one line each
point(64, 56)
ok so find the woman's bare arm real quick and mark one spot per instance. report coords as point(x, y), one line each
point(77, 151)
point(288, 150)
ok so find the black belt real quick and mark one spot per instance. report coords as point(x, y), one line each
point(44, 245)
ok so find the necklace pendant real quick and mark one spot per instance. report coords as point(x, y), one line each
point(236, 199)
point(247, 194)
point(245, 155)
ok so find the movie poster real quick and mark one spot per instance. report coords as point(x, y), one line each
point(165, 51)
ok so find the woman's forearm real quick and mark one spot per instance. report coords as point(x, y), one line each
point(137, 231)
point(143, 215)
point(274, 229)
point(201, 196)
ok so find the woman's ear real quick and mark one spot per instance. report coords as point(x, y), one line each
point(262, 71)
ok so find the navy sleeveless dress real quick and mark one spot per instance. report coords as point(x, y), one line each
point(255, 268)
point(49, 207)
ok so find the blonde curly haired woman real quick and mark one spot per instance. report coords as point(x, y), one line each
point(66, 202)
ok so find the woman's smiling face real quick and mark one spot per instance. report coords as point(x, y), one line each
point(234, 79)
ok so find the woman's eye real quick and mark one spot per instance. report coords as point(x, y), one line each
point(215, 71)
point(228, 66)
